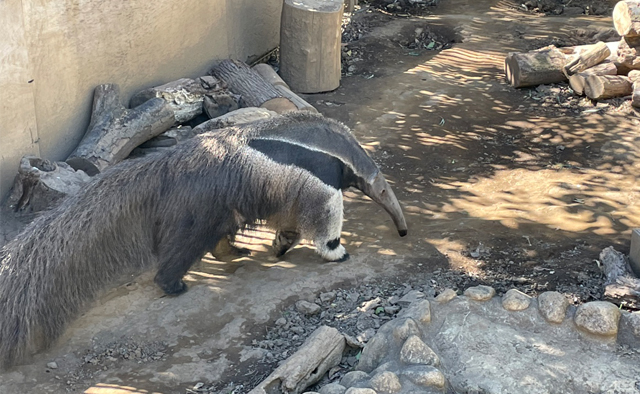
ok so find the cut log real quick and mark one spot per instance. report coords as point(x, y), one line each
point(242, 80)
point(295, 99)
point(221, 103)
point(578, 80)
point(628, 55)
point(184, 96)
point(40, 184)
point(543, 66)
point(622, 287)
point(269, 74)
point(280, 105)
point(626, 17)
point(320, 352)
point(634, 76)
point(588, 58)
point(310, 50)
point(171, 137)
point(600, 87)
point(635, 95)
point(115, 131)
point(235, 118)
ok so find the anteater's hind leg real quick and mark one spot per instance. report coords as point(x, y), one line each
point(225, 249)
point(181, 250)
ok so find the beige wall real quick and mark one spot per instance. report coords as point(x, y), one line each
point(67, 47)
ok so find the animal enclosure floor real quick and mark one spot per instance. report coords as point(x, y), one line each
point(504, 187)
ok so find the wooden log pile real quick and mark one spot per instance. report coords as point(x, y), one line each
point(600, 71)
point(156, 118)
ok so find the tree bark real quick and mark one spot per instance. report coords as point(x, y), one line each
point(115, 131)
point(543, 66)
point(600, 87)
point(588, 58)
point(219, 104)
point(300, 104)
point(320, 352)
point(626, 18)
point(578, 80)
point(184, 96)
point(238, 117)
point(242, 80)
point(40, 184)
point(621, 285)
point(310, 50)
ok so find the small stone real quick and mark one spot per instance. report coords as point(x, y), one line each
point(598, 317)
point(353, 342)
point(420, 311)
point(634, 321)
point(414, 351)
point(515, 300)
point(404, 328)
point(307, 308)
point(353, 377)
point(310, 392)
point(376, 349)
point(281, 321)
point(410, 297)
point(446, 296)
point(391, 309)
point(357, 390)
point(52, 365)
point(425, 375)
point(332, 388)
point(480, 293)
point(328, 296)
point(386, 383)
point(553, 306)
point(366, 335)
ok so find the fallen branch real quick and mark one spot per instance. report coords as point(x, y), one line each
point(320, 352)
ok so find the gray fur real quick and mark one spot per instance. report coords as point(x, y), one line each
point(143, 213)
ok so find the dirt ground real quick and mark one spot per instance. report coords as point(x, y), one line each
point(503, 187)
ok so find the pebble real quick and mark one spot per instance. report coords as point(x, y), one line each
point(598, 317)
point(332, 388)
point(446, 296)
point(425, 375)
point(421, 311)
point(553, 306)
point(353, 377)
point(366, 335)
point(515, 300)
point(414, 351)
point(357, 390)
point(328, 296)
point(386, 383)
point(281, 321)
point(307, 308)
point(353, 342)
point(52, 365)
point(480, 293)
point(404, 328)
point(410, 297)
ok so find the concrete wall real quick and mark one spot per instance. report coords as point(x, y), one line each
point(54, 52)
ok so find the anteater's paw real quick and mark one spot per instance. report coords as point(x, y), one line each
point(174, 288)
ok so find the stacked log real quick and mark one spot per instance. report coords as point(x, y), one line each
point(600, 71)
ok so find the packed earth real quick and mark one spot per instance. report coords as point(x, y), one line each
point(502, 188)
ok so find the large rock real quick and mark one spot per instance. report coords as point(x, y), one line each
point(515, 300)
point(598, 317)
point(553, 306)
point(480, 293)
point(414, 351)
point(386, 383)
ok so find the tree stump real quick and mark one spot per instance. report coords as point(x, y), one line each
point(588, 58)
point(635, 95)
point(40, 184)
point(115, 131)
point(626, 18)
point(540, 67)
point(184, 96)
point(242, 80)
point(310, 34)
point(578, 80)
point(600, 87)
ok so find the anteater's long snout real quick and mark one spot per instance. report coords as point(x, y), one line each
point(380, 192)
